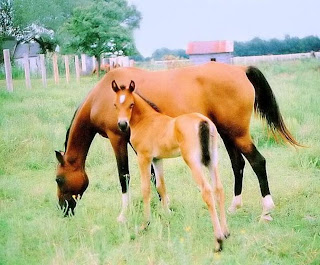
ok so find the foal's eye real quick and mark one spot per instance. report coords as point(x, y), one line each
point(115, 105)
point(131, 105)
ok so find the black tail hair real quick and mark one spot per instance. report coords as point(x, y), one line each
point(204, 135)
point(266, 105)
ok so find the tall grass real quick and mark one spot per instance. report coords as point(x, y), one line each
point(32, 231)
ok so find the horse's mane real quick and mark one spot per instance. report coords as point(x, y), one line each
point(68, 130)
point(151, 104)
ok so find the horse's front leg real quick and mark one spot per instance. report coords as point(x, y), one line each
point(119, 145)
point(145, 169)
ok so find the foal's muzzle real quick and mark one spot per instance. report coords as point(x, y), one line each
point(123, 125)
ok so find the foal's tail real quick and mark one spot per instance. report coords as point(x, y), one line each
point(266, 105)
point(204, 134)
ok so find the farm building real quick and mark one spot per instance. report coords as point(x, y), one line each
point(205, 51)
point(18, 50)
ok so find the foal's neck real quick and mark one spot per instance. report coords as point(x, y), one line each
point(141, 110)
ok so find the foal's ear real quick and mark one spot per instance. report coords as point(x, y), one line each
point(115, 86)
point(132, 86)
point(59, 156)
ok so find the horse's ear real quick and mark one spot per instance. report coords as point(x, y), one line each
point(115, 86)
point(132, 86)
point(59, 156)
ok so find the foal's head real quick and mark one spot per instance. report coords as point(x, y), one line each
point(123, 104)
point(72, 181)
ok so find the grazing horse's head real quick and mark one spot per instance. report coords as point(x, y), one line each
point(124, 103)
point(72, 181)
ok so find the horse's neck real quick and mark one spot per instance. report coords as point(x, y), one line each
point(141, 111)
point(80, 137)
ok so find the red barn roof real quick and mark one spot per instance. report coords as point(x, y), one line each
point(206, 47)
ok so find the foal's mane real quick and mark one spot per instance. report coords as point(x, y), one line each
point(151, 104)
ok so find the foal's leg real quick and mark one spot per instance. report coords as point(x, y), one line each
point(160, 184)
point(218, 188)
point(237, 163)
point(153, 174)
point(207, 195)
point(119, 145)
point(258, 164)
point(145, 167)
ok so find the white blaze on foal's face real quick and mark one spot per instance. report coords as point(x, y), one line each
point(122, 99)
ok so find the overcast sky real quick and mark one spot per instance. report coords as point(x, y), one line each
point(173, 23)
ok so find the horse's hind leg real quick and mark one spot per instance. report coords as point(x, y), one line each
point(258, 164)
point(119, 145)
point(238, 164)
point(160, 183)
point(218, 188)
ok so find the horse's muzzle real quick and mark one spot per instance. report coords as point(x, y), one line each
point(67, 207)
point(123, 126)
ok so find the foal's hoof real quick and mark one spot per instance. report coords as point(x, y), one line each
point(218, 245)
point(226, 234)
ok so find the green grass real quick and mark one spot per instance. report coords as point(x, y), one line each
point(32, 231)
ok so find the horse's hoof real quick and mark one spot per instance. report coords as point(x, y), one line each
point(144, 226)
point(235, 204)
point(121, 219)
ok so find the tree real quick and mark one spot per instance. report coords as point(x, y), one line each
point(7, 28)
point(37, 20)
point(159, 54)
point(104, 26)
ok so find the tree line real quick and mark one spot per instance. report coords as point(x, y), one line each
point(93, 27)
point(288, 45)
point(256, 46)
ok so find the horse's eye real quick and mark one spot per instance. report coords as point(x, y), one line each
point(60, 181)
point(115, 105)
point(131, 106)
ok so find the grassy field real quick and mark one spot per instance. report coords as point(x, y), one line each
point(32, 230)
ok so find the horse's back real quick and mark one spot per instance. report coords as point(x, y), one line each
point(219, 91)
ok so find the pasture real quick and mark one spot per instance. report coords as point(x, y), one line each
point(33, 124)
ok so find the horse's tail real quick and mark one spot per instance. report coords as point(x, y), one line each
point(204, 135)
point(266, 105)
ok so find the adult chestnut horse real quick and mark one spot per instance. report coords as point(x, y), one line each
point(226, 94)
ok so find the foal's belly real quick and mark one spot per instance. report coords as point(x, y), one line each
point(160, 154)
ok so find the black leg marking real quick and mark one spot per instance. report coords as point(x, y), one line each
point(237, 163)
point(258, 164)
point(123, 169)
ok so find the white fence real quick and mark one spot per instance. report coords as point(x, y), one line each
point(39, 64)
point(271, 58)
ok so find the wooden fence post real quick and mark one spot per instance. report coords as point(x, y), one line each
point(55, 68)
point(76, 61)
point(7, 66)
point(83, 63)
point(66, 63)
point(27, 70)
point(94, 63)
point(43, 70)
